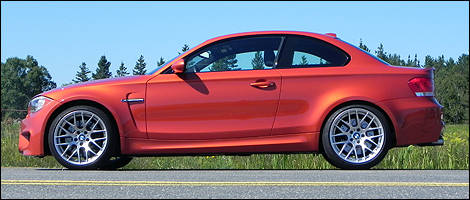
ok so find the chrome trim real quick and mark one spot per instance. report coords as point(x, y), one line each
point(424, 94)
point(132, 100)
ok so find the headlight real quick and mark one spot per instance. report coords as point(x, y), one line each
point(37, 103)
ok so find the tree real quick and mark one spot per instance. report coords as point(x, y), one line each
point(21, 79)
point(122, 71)
point(82, 74)
point(304, 61)
point(161, 62)
point(363, 46)
point(225, 64)
point(380, 52)
point(258, 61)
point(139, 68)
point(184, 48)
point(103, 69)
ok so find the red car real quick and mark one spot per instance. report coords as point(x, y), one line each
point(256, 92)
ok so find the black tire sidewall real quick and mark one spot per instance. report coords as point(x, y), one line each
point(335, 160)
point(108, 151)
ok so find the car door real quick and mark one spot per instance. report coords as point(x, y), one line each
point(310, 69)
point(228, 90)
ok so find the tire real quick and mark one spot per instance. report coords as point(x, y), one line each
point(82, 137)
point(348, 144)
point(117, 162)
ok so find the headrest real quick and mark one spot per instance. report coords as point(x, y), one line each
point(269, 58)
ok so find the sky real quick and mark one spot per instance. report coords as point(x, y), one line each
point(62, 35)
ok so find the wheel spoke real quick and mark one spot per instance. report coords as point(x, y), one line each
point(369, 140)
point(63, 153)
point(364, 117)
point(94, 143)
point(97, 122)
point(355, 152)
point(370, 123)
point(357, 119)
point(78, 154)
point(70, 124)
point(72, 154)
point(98, 131)
point(342, 142)
point(368, 148)
point(363, 152)
point(375, 136)
point(74, 120)
point(89, 120)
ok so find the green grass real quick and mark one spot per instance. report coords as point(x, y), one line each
point(453, 155)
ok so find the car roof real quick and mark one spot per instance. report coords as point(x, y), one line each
point(252, 33)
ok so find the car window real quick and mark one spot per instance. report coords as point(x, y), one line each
point(309, 52)
point(237, 54)
point(303, 58)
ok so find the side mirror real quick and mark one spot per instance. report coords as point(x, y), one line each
point(178, 66)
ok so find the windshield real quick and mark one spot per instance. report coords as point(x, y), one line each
point(159, 67)
point(373, 56)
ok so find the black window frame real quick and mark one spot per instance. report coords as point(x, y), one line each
point(201, 50)
point(287, 64)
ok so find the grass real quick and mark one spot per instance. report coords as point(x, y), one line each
point(453, 155)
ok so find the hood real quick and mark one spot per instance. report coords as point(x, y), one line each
point(109, 81)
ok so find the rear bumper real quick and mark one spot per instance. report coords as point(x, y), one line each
point(439, 142)
point(417, 121)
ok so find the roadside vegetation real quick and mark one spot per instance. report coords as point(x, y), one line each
point(453, 155)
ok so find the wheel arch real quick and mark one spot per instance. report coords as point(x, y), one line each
point(80, 102)
point(357, 102)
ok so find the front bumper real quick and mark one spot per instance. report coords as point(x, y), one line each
point(32, 132)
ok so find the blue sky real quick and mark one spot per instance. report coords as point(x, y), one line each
point(62, 35)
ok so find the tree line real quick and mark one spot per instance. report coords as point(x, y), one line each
point(24, 78)
point(102, 71)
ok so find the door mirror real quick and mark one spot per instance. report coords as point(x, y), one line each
point(178, 66)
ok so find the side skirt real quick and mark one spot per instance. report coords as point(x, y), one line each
point(303, 142)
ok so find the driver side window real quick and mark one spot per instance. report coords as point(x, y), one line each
point(233, 55)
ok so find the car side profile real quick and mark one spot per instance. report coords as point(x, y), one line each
point(240, 94)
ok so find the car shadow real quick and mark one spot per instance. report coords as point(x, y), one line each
point(193, 80)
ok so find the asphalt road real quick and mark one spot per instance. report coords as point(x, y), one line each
point(383, 184)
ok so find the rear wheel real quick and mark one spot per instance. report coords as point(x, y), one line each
point(356, 137)
point(82, 137)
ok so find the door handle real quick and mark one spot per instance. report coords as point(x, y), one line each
point(262, 84)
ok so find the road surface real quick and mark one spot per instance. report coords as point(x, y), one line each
point(383, 184)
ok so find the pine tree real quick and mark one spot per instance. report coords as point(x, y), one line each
point(381, 52)
point(304, 61)
point(139, 68)
point(122, 71)
point(184, 48)
point(363, 46)
point(258, 61)
point(103, 69)
point(161, 62)
point(225, 64)
point(82, 74)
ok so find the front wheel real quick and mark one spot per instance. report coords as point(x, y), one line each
point(82, 137)
point(356, 137)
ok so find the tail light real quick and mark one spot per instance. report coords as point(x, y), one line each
point(422, 87)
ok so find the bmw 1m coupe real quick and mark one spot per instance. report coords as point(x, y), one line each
point(240, 94)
